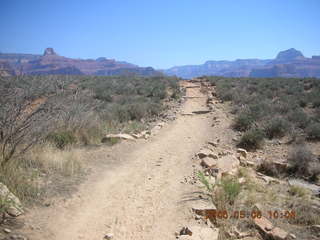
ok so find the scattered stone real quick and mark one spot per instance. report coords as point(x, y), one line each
point(263, 224)
point(15, 208)
point(206, 153)
point(278, 234)
point(161, 124)
point(185, 231)
point(315, 229)
point(186, 114)
point(201, 112)
point(250, 163)
point(242, 152)
point(268, 179)
point(138, 135)
point(242, 160)
point(214, 144)
point(241, 180)
point(204, 208)
point(208, 162)
point(240, 235)
point(119, 136)
point(108, 236)
point(258, 207)
point(292, 236)
point(200, 233)
point(16, 237)
point(228, 164)
point(7, 230)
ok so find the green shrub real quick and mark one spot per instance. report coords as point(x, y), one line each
point(252, 139)
point(277, 127)
point(231, 188)
point(313, 131)
point(62, 139)
point(300, 118)
point(226, 95)
point(243, 121)
point(110, 141)
point(205, 182)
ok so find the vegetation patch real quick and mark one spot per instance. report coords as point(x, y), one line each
point(252, 139)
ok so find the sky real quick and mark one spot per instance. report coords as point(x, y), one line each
point(161, 33)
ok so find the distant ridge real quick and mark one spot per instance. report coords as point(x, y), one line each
point(52, 63)
point(288, 63)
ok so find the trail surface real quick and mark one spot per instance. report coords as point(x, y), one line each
point(139, 195)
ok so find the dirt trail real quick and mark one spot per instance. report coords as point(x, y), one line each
point(140, 195)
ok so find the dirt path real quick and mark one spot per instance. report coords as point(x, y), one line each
point(140, 195)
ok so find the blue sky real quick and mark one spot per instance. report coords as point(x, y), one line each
point(161, 33)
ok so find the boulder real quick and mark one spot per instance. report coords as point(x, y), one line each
point(268, 179)
point(228, 164)
point(263, 224)
point(278, 234)
point(206, 153)
point(14, 204)
point(155, 130)
point(242, 152)
point(214, 144)
point(137, 135)
point(120, 136)
point(208, 162)
point(250, 163)
point(200, 233)
point(204, 208)
point(315, 229)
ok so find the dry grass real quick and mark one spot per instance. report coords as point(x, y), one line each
point(27, 177)
point(50, 160)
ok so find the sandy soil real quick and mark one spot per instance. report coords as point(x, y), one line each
point(137, 193)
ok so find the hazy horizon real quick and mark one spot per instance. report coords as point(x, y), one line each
point(161, 34)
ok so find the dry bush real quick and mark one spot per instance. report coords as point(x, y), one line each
point(51, 161)
point(268, 168)
point(303, 163)
point(23, 120)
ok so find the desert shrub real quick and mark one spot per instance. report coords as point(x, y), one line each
point(205, 182)
point(313, 131)
point(61, 139)
point(307, 214)
point(252, 139)
point(259, 110)
point(21, 180)
point(231, 188)
point(276, 127)
point(298, 191)
point(243, 121)
point(268, 168)
point(302, 161)
point(299, 118)
point(110, 141)
point(103, 95)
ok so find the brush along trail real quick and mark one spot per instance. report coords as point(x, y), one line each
point(138, 193)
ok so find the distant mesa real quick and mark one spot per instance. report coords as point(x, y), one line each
point(288, 63)
point(290, 54)
point(51, 63)
point(49, 51)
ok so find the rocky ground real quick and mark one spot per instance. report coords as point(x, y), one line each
point(149, 186)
